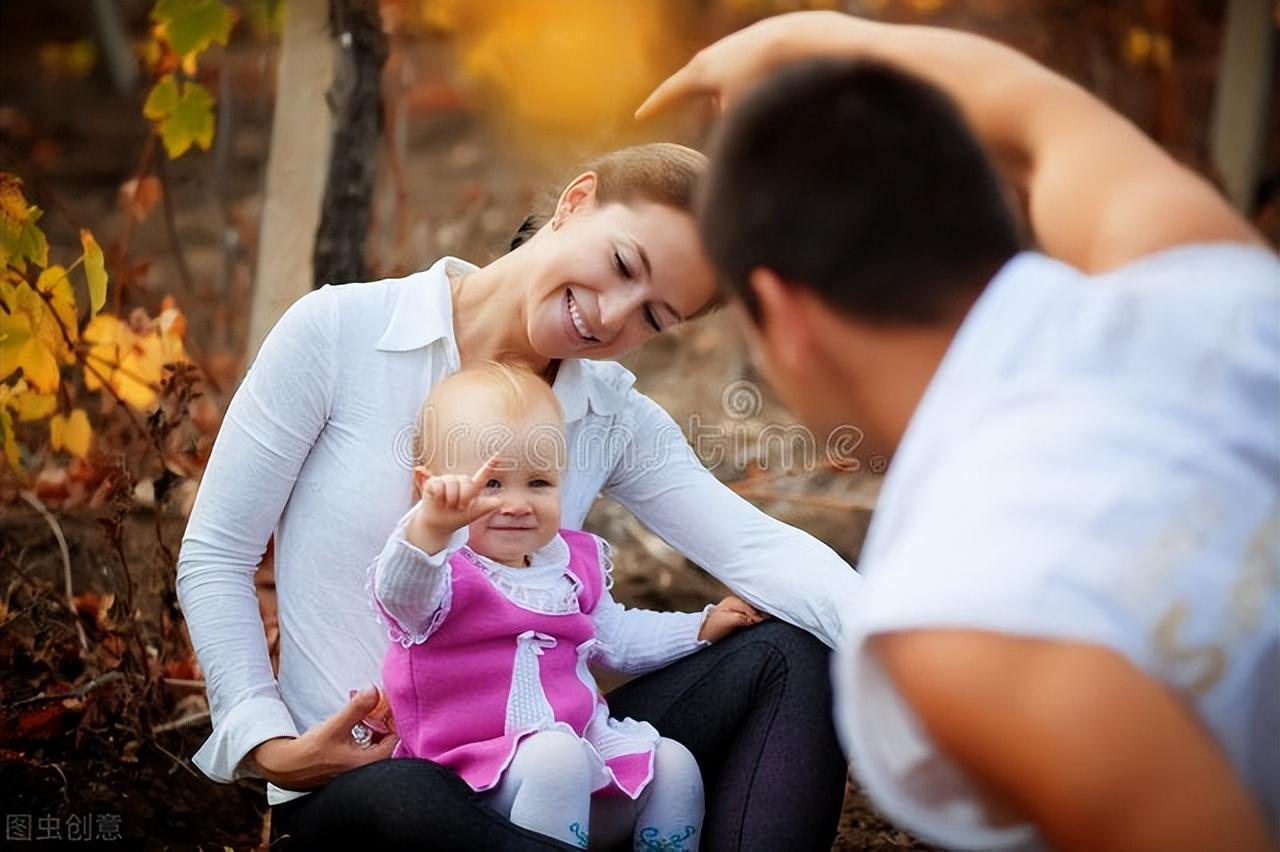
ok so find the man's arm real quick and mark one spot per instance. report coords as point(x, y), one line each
point(1075, 738)
point(1100, 193)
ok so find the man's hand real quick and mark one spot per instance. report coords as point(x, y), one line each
point(727, 616)
point(448, 504)
point(1099, 192)
point(323, 752)
point(728, 69)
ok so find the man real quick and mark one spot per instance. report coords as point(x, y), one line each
point(1071, 632)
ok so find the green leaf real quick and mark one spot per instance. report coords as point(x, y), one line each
point(95, 271)
point(192, 25)
point(184, 117)
point(21, 240)
point(162, 99)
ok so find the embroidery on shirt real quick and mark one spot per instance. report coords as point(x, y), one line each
point(527, 706)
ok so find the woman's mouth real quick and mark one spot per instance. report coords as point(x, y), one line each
point(575, 325)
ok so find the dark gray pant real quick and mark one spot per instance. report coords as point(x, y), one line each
point(755, 709)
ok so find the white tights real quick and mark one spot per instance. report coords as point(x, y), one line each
point(547, 789)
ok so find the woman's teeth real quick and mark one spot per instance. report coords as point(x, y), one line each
point(578, 322)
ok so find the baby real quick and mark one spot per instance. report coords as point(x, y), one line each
point(495, 613)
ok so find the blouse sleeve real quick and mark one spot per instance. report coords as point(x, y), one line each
point(410, 588)
point(773, 566)
point(271, 424)
point(636, 641)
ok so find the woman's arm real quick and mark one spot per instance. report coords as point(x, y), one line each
point(1100, 192)
point(271, 424)
point(775, 567)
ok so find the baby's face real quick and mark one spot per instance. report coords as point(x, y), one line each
point(526, 482)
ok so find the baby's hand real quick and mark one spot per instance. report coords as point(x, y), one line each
point(727, 616)
point(449, 503)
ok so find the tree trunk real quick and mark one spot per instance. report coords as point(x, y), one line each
point(356, 101)
point(296, 166)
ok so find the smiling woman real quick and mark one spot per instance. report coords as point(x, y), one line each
point(313, 450)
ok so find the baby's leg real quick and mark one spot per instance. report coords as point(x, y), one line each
point(547, 787)
point(668, 814)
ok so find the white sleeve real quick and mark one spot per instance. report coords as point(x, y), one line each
point(271, 424)
point(411, 588)
point(635, 641)
point(775, 567)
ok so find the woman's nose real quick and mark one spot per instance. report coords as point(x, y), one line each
point(617, 307)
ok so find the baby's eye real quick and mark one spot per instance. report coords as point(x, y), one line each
point(493, 483)
point(539, 483)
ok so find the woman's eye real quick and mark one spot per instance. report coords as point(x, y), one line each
point(621, 266)
point(493, 483)
point(652, 318)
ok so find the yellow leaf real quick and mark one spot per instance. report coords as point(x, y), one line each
point(10, 445)
point(132, 362)
point(183, 117)
point(21, 240)
point(27, 404)
point(192, 25)
point(21, 348)
point(55, 321)
point(72, 433)
point(95, 271)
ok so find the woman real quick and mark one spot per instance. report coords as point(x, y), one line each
point(316, 448)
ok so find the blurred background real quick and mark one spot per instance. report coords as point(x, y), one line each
point(229, 155)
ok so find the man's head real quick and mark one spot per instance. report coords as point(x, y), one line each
point(847, 207)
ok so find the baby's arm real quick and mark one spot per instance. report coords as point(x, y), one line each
point(411, 585)
point(635, 641)
point(411, 575)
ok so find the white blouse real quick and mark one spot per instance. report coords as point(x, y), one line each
point(316, 448)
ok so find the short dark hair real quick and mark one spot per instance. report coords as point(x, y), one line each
point(861, 183)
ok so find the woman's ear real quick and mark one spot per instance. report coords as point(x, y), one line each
point(580, 194)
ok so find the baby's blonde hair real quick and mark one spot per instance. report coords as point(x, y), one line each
point(518, 387)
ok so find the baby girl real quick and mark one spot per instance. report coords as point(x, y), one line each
point(495, 613)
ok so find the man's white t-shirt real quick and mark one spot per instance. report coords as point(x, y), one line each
point(1097, 460)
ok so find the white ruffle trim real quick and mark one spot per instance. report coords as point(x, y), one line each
point(395, 632)
point(606, 561)
point(561, 599)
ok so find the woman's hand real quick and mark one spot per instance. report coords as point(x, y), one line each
point(727, 616)
point(323, 752)
point(728, 69)
point(449, 503)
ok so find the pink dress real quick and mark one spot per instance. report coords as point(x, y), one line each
point(494, 672)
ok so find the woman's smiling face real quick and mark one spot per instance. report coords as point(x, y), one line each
point(609, 277)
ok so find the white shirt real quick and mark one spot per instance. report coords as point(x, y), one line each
point(412, 592)
point(1097, 460)
point(316, 448)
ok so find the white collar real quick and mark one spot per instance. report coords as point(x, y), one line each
point(553, 554)
point(422, 313)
